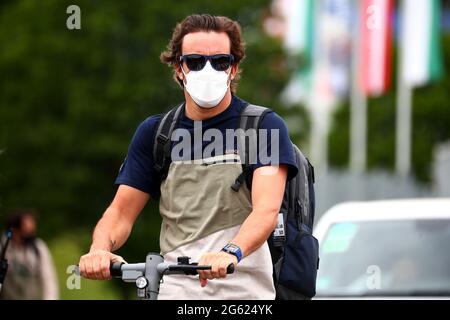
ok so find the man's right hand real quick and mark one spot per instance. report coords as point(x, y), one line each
point(95, 265)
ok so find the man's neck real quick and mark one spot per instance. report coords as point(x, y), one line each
point(196, 113)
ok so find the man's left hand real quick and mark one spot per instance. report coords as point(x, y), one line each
point(219, 262)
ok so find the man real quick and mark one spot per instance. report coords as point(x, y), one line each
point(203, 218)
point(31, 273)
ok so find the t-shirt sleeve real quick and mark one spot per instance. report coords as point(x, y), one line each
point(278, 148)
point(137, 169)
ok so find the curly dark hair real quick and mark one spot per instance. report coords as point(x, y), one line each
point(204, 22)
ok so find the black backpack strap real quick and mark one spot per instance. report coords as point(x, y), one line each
point(249, 118)
point(162, 142)
point(303, 192)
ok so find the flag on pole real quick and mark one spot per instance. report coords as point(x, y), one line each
point(298, 15)
point(376, 44)
point(332, 53)
point(299, 37)
point(420, 33)
point(306, 34)
point(338, 21)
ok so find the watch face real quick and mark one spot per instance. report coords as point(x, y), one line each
point(232, 248)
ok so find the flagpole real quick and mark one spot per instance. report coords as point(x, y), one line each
point(403, 113)
point(404, 129)
point(319, 138)
point(318, 109)
point(358, 107)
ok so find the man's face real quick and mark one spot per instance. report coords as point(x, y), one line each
point(206, 43)
point(28, 227)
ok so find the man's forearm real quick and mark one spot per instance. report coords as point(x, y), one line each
point(267, 195)
point(111, 231)
point(255, 230)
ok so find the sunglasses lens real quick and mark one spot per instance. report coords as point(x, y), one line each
point(221, 62)
point(195, 62)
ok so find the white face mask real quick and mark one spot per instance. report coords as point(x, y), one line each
point(206, 87)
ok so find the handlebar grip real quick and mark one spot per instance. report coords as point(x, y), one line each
point(193, 268)
point(116, 269)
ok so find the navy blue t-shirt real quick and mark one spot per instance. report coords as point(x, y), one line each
point(137, 170)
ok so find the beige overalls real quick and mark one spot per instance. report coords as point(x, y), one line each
point(201, 213)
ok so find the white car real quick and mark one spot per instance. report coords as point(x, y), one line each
point(385, 249)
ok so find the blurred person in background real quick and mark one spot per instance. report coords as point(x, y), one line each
point(31, 273)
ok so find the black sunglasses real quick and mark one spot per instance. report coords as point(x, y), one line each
point(196, 62)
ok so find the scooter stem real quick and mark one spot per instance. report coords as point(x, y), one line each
point(153, 275)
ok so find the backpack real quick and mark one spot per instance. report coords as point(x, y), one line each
point(293, 248)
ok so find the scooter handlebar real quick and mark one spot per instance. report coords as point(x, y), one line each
point(115, 269)
point(191, 269)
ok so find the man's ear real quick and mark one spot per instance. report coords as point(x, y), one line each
point(234, 70)
point(179, 73)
